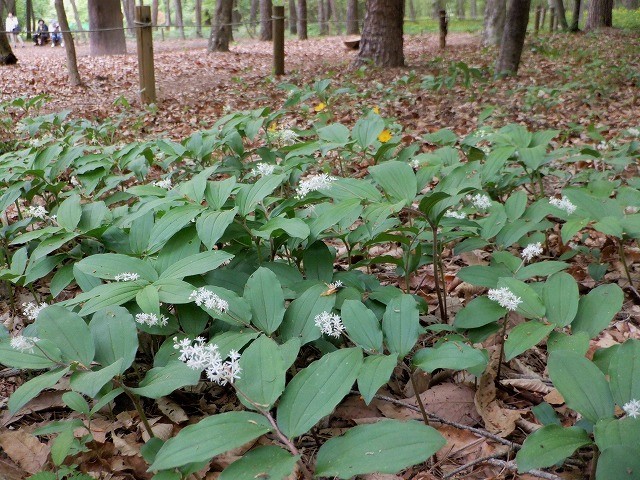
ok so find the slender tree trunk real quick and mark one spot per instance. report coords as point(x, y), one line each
point(494, 20)
point(179, 22)
point(220, 28)
point(128, 7)
point(28, 15)
point(600, 14)
point(302, 20)
point(322, 23)
point(105, 23)
point(515, 30)
point(631, 4)
point(575, 17)
point(167, 14)
point(6, 55)
point(412, 11)
point(474, 9)
point(198, 16)
point(154, 12)
point(382, 40)
point(72, 64)
point(337, 17)
point(460, 9)
point(266, 27)
point(352, 17)
point(561, 15)
point(76, 17)
point(253, 14)
point(293, 17)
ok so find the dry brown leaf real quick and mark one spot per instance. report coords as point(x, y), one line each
point(44, 401)
point(380, 476)
point(531, 384)
point(127, 445)
point(172, 410)
point(24, 449)
point(10, 472)
point(554, 397)
point(497, 419)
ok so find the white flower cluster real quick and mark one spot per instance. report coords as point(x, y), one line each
point(632, 408)
point(530, 251)
point(151, 319)
point(262, 169)
point(287, 137)
point(166, 184)
point(32, 310)
point(416, 164)
point(634, 132)
point(205, 356)
point(37, 212)
point(481, 202)
point(24, 344)
point(563, 204)
point(329, 324)
point(210, 300)
point(75, 182)
point(454, 214)
point(336, 284)
point(505, 297)
point(314, 183)
point(126, 277)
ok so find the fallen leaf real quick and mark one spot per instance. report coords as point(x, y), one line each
point(24, 449)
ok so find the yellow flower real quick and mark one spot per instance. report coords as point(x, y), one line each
point(320, 107)
point(273, 127)
point(385, 136)
point(376, 110)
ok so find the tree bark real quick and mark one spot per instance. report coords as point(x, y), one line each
point(253, 14)
point(167, 13)
point(600, 14)
point(382, 40)
point(72, 64)
point(6, 54)
point(302, 20)
point(352, 17)
point(460, 10)
point(198, 16)
point(293, 17)
point(266, 28)
point(76, 17)
point(28, 14)
point(474, 9)
point(154, 12)
point(575, 18)
point(515, 30)
point(106, 14)
point(128, 7)
point(179, 22)
point(494, 21)
point(631, 4)
point(220, 27)
point(412, 11)
point(337, 17)
point(322, 19)
point(561, 15)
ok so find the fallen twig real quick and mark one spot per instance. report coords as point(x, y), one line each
point(512, 466)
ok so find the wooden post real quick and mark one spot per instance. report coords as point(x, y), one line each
point(443, 29)
point(278, 40)
point(536, 25)
point(145, 54)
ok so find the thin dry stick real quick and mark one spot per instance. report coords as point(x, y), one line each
point(512, 466)
point(474, 463)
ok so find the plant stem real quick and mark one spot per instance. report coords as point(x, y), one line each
point(136, 403)
point(441, 304)
point(425, 417)
point(594, 463)
point(500, 358)
point(623, 257)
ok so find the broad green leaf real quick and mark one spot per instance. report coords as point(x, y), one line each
point(597, 308)
point(401, 325)
point(268, 462)
point(374, 373)
point(171, 223)
point(396, 179)
point(367, 129)
point(51, 244)
point(148, 299)
point(69, 332)
point(524, 336)
point(515, 205)
point(362, 325)
point(76, 402)
point(264, 294)
point(33, 387)
point(540, 269)
point(197, 264)
point(624, 373)
point(550, 445)
point(35, 360)
point(109, 265)
point(69, 213)
point(619, 463)
point(610, 432)
point(582, 385)
point(577, 342)
point(161, 381)
point(218, 192)
point(61, 446)
point(560, 295)
point(106, 295)
point(483, 275)
point(249, 196)
point(211, 225)
point(479, 312)
point(387, 446)
point(452, 354)
point(233, 340)
point(531, 306)
point(300, 315)
point(182, 245)
point(90, 383)
point(315, 391)
point(345, 188)
point(335, 133)
point(317, 260)
point(172, 290)
point(333, 214)
point(294, 227)
point(210, 437)
point(263, 374)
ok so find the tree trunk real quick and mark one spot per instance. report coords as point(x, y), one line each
point(220, 28)
point(106, 14)
point(128, 7)
point(460, 13)
point(352, 17)
point(322, 19)
point(198, 16)
point(72, 64)
point(293, 18)
point(154, 12)
point(412, 11)
point(28, 15)
point(337, 17)
point(6, 55)
point(253, 14)
point(474, 9)
point(302, 20)
point(76, 18)
point(631, 4)
point(600, 14)
point(494, 20)
point(561, 15)
point(575, 18)
point(167, 13)
point(266, 28)
point(179, 22)
point(515, 30)
point(382, 40)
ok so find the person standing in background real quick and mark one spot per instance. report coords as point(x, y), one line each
point(12, 26)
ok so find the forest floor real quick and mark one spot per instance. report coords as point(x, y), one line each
point(570, 83)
